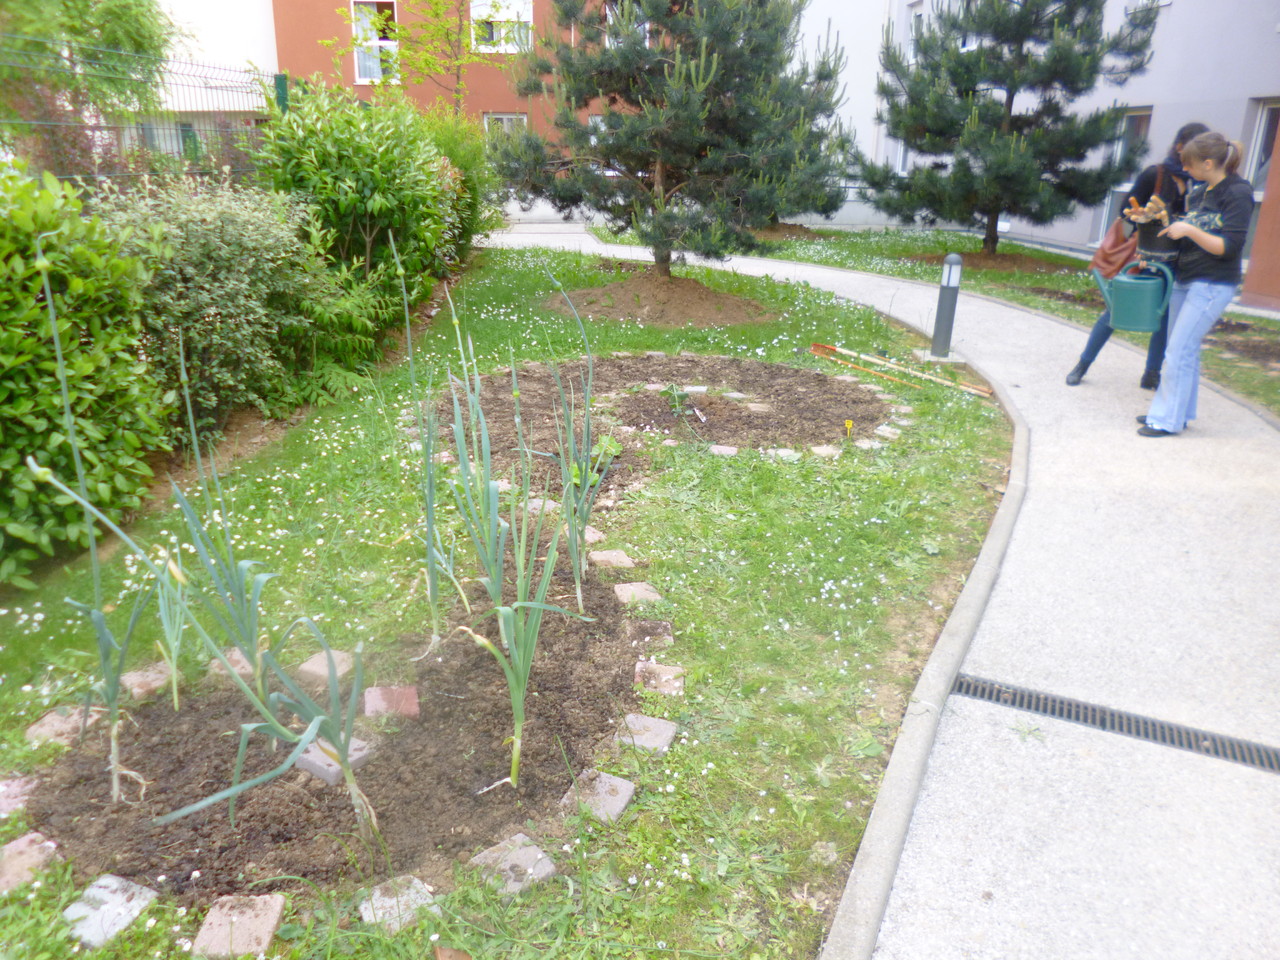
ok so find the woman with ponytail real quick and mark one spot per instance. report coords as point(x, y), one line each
point(1207, 272)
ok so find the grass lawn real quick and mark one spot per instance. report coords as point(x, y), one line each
point(804, 597)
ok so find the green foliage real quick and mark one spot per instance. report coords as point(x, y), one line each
point(236, 274)
point(985, 103)
point(369, 170)
point(118, 408)
point(463, 141)
point(708, 128)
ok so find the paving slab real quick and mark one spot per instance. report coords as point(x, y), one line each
point(242, 667)
point(318, 761)
point(235, 926)
point(62, 725)
point(825, 450)
point(313, 674)
point(603, 794)
point(722, 450)
point(397, 701)
point(888, 432)
point(650, 734)
point(660, 678)
point(592, 535)
point(515, 865)
point(141, 684)
point(395, 904)
point(107, 908)
point(610, 558)
point(636, 593)
point(22, 859)
point(14, 794)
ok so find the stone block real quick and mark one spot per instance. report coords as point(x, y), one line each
point(735, 395)
point(669, 442)
point(759, 407)
point(660, 678)
point(785, 454)
point(62, 725)
point(903, 421)
point(14, 793)
point(889, 433)
point(621, 353)
point(636, 593)
point(22, 859)
point(395, 904)
point(902, 408)
point(846, 378)
point(825, 450)
point(655, 387)
point(695, 389)
point(656, 354)
point(886, 397)
point(107, 907)
point(610, 558)
point(866, 443)
point(314, 672)
point(650, 734)
point(605, 795)
point(143, 683)
point(536, 505)
point(592, 535)
point(720, 450)
point(515, 864)
point(318, 760)
point(235, 926)
point(239, 664)
point(869, 387)
point(642, 633)
point(399, 701)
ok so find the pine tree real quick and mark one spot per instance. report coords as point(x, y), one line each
point(983, 104)
point(688, 121)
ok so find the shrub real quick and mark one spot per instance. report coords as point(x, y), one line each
point(236, 277)
point(118, 406)
point(463, 141)
point(369, 171)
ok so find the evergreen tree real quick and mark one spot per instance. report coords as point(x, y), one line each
point(984, 104)
point(687, 121)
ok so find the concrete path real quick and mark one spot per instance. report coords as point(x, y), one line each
point(1132, 573)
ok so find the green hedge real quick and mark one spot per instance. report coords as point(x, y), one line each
point(118, 408)
point(371, 171)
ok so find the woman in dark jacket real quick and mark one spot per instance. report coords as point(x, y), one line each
point(1207, 272)
point(1171, 180)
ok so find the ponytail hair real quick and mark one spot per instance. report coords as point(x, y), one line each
point(1214, 146)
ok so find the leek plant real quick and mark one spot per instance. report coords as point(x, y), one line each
point(583, 460)
point(171, 596)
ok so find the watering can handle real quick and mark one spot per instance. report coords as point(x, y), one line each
point(1153, 265)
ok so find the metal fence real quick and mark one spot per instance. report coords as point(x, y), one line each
point(87, 112)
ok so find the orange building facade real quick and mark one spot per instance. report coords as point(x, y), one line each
point(310, 34)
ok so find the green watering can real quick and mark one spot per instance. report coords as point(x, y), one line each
point(1138, 300)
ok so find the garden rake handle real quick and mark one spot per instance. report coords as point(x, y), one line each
point(875, 373)
point(958, 384)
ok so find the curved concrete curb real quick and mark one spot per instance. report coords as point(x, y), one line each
point(866, 894)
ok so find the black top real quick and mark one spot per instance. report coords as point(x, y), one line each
point(1223, 211)
point(1152, 246)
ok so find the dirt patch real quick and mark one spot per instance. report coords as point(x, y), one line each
point(1086, 298)
point(426, 776)
point(424, 779)
point(787, 231)
point(1261, 348)
point(662, 302)
point(1003, 262)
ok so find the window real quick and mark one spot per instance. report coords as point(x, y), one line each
point(505, 122)
point(1133, 135)
point(1261, 150)
point(915, 27)
point(373, 29)
point(902, 158)
point(501, 26)
point(968, 41)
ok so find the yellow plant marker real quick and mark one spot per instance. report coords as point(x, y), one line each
point(848, 428)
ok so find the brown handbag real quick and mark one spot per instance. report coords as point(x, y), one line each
point(1115, 250)
point(1118, 248)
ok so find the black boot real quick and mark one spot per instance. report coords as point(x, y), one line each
point(1077, 373)
point(1150, 380)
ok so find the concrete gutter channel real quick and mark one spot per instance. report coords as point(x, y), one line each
point(1121, 922)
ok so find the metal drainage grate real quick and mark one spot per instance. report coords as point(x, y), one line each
point(1117, 721)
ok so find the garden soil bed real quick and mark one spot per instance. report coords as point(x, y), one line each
point(426, 775)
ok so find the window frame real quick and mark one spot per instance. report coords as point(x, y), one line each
point(510, 26)
point(499, 121)
point(1119, 150)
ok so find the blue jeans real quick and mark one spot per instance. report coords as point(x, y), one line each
point(1101, 333)
point(1194, 308)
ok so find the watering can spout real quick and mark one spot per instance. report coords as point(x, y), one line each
point(1104, 285)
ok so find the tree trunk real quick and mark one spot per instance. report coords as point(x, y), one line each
point(992, 236)
point(662, 251)
point(662, 261)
